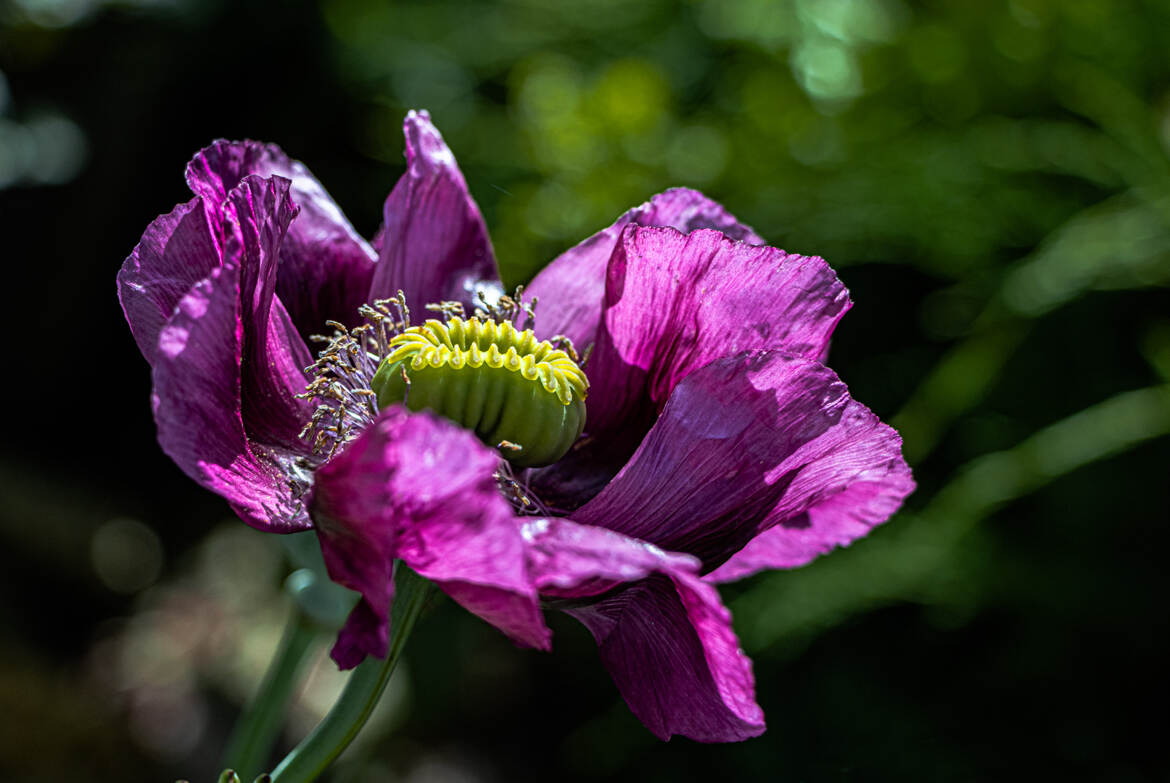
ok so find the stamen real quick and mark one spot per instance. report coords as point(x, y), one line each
point(565, 344)
point(523, 500)
point(344, 370)
point(508, 308)
point(588, 352)
point(449, 309)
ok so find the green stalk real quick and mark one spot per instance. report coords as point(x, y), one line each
point(361, 693)
point(257, 728)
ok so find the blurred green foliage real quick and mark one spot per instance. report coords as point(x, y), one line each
point(951, 136)
point(991, 179)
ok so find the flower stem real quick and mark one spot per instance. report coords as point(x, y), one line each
point(361, 693)
point(256, 730)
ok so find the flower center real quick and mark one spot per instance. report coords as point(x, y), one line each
point(519, 394)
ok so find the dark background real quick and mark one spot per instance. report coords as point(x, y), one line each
point(989, 178)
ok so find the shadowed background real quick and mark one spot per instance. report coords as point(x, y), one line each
point(990, 179)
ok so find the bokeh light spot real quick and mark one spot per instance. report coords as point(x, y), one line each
point(126, 555)
point(826, 69)
point(631, 96)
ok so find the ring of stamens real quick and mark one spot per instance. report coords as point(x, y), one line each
point(341, 375)
point(519, 394)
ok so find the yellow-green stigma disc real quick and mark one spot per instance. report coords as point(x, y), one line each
point(503, 383)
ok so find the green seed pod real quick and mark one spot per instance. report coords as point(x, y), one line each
point(504, 384)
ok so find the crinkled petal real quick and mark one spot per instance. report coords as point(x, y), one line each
point(571, 288)
point(257, 214)
point(196, 401)
point(245, 226)
point(365, 632)
point(325, 266)
point(176, 251)
point(666, 638)
point(751, 442)
point(675, 302)
point(567, 560)
point(434, 244)
point(835, 521)
point(419, 488)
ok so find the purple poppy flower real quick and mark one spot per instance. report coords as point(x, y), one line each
point(716, 443)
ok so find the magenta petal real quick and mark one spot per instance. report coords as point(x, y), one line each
point(245, 227)
point(364, 633)
point(572, 286)
point(325, 266)
point(752, 442)
point(181, 288)
point(256, 215)
point(434, 244)
point(176, 251)
point(666, 639)
point(669, 647)
point(835, 521)
point(419, 488)
point(569, 560)
point(197, 408)
point(675, 302)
